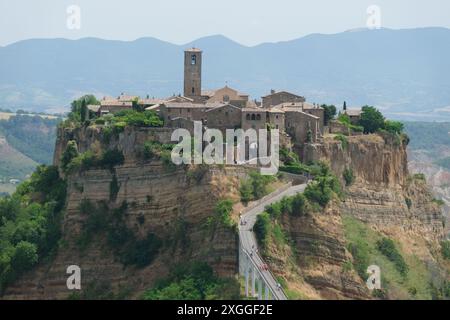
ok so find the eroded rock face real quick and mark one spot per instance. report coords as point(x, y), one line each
point(321, 250)
point(383, 195)
point(172, 204)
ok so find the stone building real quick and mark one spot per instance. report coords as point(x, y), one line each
point(255, 118)
point(276, 98)
point(299, 123)
point(354, 115)
point(193, 74)
point(225, 116)
point(187, 110)
point(227, 95)
point(276, 118)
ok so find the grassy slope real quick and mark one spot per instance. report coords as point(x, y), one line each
point(397, 286)
point(13, 164)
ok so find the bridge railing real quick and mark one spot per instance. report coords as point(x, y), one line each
point(261, 274)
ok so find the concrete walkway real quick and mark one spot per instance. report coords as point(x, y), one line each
point(248, 240)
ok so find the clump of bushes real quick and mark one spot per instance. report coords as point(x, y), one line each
point(343, 139)
point(261, 228)
point(30, 222)
point(387, 247)
point(222, 213)
point(193, 281)
point(348, 176)
point(445, 249)
point(156, 150)
point(255, 187)
point(87, 160)
point(321, 190)
point(345, 120)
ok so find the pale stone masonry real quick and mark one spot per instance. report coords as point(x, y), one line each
point(227, 108)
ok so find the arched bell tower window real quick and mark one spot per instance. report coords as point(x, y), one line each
point(193, 59)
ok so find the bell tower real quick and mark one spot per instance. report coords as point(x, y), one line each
point(192, 72)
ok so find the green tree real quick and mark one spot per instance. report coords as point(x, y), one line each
point(393, 126)
point(329, 113)
point(371, 119)
point(25, 256)
point(69, 154)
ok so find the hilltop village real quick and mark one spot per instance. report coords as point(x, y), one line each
point(298, 121)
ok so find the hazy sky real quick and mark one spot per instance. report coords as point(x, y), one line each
point(179, 21)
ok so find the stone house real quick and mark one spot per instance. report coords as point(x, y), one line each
point(276, 118)
point(189, 111)
point(227, 95)
point(225, 116)
point(354, 115)
point(299, 123)
point(255, 118)
point(276, 98)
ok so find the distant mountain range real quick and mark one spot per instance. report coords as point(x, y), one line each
point(404, 72)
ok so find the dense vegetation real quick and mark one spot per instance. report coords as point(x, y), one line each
point(255, 187)
point(30, 223)
point(72, 161)
point(222, 215)
point(114, 123)
point(317, 194)
point(194, 281)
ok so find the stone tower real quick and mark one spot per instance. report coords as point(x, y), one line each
point(192, 73)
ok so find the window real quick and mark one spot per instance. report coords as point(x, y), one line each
point(276, 117)
point(247, 117)
point(193, 59)
point(193, 90)
point(253, 117)
point(258, 117)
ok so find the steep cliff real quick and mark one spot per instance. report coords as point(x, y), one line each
point(380, 200)
point(174, 204)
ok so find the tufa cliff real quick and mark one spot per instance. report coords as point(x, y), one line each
point(171, 204)
point(328, 250)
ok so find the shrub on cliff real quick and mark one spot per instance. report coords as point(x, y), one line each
point(348, 176)
point(445, 249)
point(387, 247)
point(255, 187)
point(87, 160)
point(69, 154)
point(222, 213)
point(321, 190)
point(193, 281)
point(343, 139)
point(261, 228)
point(30, 223)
